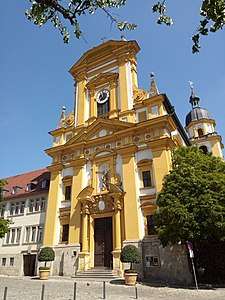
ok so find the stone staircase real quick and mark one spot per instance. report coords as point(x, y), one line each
point(97, 274)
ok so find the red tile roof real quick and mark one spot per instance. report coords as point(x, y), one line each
point(22, 180)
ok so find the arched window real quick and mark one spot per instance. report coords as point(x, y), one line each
point(200, 132)
point(204, 149)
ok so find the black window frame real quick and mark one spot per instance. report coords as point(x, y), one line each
point(68, 190)
point(146, 178)
point(65, 232)
point(150, 225)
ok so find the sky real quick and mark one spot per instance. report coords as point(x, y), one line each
point(35, 83)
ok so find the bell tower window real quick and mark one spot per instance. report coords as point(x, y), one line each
point(204, 149)
point(200, 132)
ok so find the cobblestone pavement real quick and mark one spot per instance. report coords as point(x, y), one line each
point(25, 288)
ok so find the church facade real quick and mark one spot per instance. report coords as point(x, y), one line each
point(109, 158)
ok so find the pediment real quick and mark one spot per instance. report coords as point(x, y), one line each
point(98, 129)
point(108, 49)
point(102, 78)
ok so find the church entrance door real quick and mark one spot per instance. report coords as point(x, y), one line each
point(103, 242)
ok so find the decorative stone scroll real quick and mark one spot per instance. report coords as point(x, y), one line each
point(139, 95)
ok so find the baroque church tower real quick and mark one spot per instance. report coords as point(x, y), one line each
point(200, 127)
point(109, 158)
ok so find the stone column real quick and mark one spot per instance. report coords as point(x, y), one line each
point(85, 230)
point(84, 255)
point(118, 226)
point(117, 266)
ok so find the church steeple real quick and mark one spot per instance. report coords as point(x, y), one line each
point(200, 127)
point(194, 99)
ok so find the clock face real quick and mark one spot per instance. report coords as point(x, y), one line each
point(102, 96)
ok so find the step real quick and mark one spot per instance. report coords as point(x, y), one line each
point(97, 273)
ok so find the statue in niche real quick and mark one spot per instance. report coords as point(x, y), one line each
point(105, 180)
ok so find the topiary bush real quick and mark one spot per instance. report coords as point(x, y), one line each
point(130, 254)
point(46, 254)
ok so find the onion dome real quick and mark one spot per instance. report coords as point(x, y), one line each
point(197, 112)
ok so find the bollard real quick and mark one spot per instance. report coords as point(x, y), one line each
point(74, 291)
point(43, 292)
point(136, 292)
point(5, 293)
point(103, 289)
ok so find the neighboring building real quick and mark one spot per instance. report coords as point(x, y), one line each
point(109, 157)
point(200, 127)
point(25, 200)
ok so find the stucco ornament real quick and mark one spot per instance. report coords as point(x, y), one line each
point(105, 180)
point(69, 120)
point(139, 95)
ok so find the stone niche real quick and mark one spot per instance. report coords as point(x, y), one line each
point(168, 265)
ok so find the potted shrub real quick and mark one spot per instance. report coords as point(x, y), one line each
point(130, 254)
point(46, 254)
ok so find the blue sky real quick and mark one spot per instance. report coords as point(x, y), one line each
point(35, 83)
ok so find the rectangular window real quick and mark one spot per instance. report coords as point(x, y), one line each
point(150, 225)
point(27, 235)
point(65, 232)
point(142, 116)
point(13, 235)
point(7, 237)
point(33, 234)
point(18, 235)
point(22, 207)
point(37, 205)
point(44, 184)
point(155, 110)
point(68, 192)
point(2, 210)
point(11, 210)
point(43, 203)
point(152, 261)
point(146, 176)
point(103, 108)
point(39, 234)
point(3, 261)
point(17, 208)
point(11, 261)
point(31, 205)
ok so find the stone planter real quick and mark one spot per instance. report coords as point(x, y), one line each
point(130, 278)
point(44, 274)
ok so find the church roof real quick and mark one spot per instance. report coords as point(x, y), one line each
point(197, 113)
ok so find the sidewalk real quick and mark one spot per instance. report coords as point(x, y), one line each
point(61, 288)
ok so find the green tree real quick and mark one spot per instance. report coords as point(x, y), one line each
point(46, 254)
point(192, 201)
point(192, 204)
point(4, 224)
point(41, 11)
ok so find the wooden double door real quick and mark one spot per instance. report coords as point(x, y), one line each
point(103, 242)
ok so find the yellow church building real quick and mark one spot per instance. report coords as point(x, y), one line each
point(109, 157)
